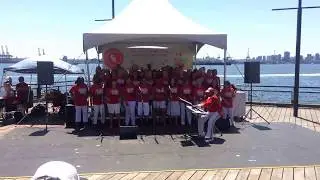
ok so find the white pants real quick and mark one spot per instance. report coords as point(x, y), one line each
point(159, 104)
point(212, 117)
point(84, 110)
point(184, 111)
point(143, 108)
point(97, 109)
point(174, 108)
point(228, 112)
point(114, 108)
point(130, 113)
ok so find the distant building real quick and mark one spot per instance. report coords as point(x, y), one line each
point(317, 57)
point(286, 56)
point(309, 58)
point(264, 58)
point(259, 58)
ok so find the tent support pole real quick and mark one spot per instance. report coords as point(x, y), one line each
point(195, 55)
point(87, 64)
point(224, 65)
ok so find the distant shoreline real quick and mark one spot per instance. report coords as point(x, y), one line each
point(95, 61)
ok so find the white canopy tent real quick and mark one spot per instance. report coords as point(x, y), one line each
point(153, 22)
point(29, 66)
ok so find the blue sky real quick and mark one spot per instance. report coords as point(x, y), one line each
point(57, 26)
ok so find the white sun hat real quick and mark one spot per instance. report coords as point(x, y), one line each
point(56, 170)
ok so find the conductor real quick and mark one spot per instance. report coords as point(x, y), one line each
point(213, 106)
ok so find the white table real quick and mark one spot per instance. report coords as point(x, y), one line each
point(239, 104)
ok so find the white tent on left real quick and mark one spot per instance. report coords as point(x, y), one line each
point(29, 66)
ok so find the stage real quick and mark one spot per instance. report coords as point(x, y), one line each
point(24, 149)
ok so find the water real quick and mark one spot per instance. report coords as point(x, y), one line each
point(271, 75)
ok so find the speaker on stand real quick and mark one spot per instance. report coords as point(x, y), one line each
point(45, 76)
point(251, 76)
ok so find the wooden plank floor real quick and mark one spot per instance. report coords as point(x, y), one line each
point(307, 117)
point(261, 173)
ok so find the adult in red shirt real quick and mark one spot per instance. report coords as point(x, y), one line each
point(130, 95)
point(79, 94)
point(144, 96)
point(96, 93)
point(159, 99)
point(174, 104)
point(227, 95)
point(113, 102)
point(186, 93)
point(22, 90)
point(213, 107)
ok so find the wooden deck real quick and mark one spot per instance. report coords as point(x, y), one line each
point(265, 173)
point(308, 117)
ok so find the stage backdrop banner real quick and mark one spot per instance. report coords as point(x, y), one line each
point(158, 55)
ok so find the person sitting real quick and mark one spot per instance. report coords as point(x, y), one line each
point(79, 94)
point(130, 102)
point(22, 90)
point(174, 104)
point(113, 102)
point(96, 93)
point(9, 96)
point(212, 106)
point(227, 95)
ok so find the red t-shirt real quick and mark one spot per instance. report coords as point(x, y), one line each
point(174, 93)
point(159, 92)
point(120, 82)
point(136, 83)
point(198, 93)
point(212, 104)
point(96, 92)
point(107, 82)
point(113, 95)
point(22, 92)
point(186, 92)
point(144, 93)
point(80, 94)
point(227, 95)
point(129, 93)
point(165, 81)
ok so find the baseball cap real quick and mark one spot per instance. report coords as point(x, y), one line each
point(56, 170)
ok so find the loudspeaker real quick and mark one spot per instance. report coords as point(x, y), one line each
point(128, 132)
point(251, 72)
point(70, 116)
point(45, 73)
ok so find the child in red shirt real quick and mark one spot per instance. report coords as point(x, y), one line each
point(79, 93)
point(198, 92)
point(159, 99)
point(113, 102)
point(145, 95)
point(186, 93)
point(130, 95)
point(227, 95)
point(174, 104)
point(96, 93)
